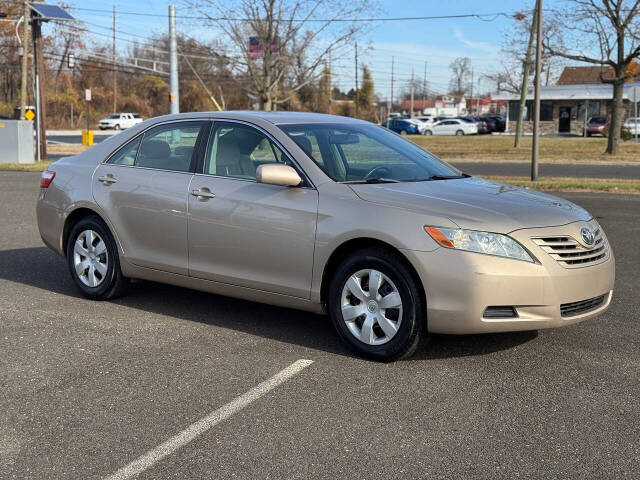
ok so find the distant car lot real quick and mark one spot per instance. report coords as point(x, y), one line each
point(89, 387)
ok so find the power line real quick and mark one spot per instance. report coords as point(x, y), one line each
point(480, 16)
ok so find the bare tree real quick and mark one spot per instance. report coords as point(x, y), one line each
point(460, 76)
point(605, 33)
point(294, 38)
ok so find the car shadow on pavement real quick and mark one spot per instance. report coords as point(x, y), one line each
point(284, 325)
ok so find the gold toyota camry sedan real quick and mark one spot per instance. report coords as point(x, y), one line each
point(326, 214)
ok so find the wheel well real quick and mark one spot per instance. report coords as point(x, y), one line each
point(348, 248)
point(73, 218)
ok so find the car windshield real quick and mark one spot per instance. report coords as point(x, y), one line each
point(598, 120)
point(367, 153)
point(114, 116)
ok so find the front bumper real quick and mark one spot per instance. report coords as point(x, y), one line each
point(460, 285)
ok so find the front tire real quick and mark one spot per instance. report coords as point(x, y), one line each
point(117, 127)
point(428, 132)
point(459, 132)
point(403, 132)
point(377, 306)
point(92, 258)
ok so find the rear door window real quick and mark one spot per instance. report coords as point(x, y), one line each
point(236, 150)
point(169, 147)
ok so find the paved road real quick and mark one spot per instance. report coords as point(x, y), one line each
point(87, 387)
point(550, 170)
point(75, 139)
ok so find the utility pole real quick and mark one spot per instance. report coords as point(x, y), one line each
point(115, 67)
point(41, 133)
point(391, 108)
point(357, 94)
point(424, 89)
point(471, 92)
point(25, 59)
point(536, 108)
point(525, 78)
point(412, 91)
point(174, 94)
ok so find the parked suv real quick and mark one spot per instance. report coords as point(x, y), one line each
point(495, 123)
point(119, 121)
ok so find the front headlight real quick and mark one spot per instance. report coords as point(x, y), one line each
point(481, 242)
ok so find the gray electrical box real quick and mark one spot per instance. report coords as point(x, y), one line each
point(16, 141)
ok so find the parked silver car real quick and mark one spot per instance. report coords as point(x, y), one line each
point(326, 214)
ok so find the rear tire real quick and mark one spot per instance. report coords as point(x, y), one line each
point(403, 132)
point(92, 258)
point(459, 132)
point(400, 329)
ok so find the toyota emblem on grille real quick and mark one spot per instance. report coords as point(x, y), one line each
point(587, 236)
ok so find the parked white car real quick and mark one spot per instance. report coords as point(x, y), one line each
point(119, 121)
point(451, 127)
point(632, 124)
point(425, 118)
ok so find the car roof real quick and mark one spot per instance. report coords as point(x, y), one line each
point(277, 118)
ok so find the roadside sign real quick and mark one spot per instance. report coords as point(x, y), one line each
point(87, 94)
point(29, 114)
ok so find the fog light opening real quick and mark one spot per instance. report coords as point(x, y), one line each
point(500, 312)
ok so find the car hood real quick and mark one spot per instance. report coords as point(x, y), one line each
point(476, 204)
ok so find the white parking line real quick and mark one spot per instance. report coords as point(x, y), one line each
point(152, 457)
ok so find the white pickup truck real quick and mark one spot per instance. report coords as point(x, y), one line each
point(119, 121)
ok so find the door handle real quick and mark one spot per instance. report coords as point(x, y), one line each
point(203, 193)
point(107, 179)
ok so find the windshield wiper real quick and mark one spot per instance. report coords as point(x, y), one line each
point(374, 180)
point(448, 177)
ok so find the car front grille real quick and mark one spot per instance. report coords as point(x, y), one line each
point(570, 253)
point(583, 306)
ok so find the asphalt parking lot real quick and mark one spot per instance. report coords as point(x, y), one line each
point(89, 387)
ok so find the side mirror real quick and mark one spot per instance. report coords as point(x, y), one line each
point(278, 174)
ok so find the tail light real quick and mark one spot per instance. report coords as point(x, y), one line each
point(47, 178)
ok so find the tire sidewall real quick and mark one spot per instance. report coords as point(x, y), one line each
point(94, 223)
point(413, 319)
